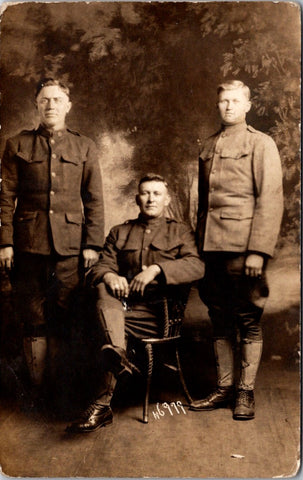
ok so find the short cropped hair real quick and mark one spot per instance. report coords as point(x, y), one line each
point(233, 85)
point(48, 82)
point(152, 177)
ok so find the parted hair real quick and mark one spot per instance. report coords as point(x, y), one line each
point(48, 82)
point(233, 85)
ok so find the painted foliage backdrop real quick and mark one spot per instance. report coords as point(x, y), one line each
point(144, 76)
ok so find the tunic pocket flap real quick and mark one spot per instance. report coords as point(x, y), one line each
point(236, 214)
point(165, 244)
point(71, 157)
point(29, 158)
point(234, 152)
point(26, 216)
point(125, 244)
point(74, 218)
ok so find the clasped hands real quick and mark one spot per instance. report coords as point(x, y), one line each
point(120, 287)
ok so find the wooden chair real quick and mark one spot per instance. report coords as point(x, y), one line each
point(171, 321)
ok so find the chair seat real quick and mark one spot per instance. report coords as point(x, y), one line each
point(160, 340)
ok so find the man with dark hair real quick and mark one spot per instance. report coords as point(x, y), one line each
point(140, 259)
point(51, 212)
point(239, 216)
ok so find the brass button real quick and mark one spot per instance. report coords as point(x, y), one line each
point(54, 155)
point(53, 174)
point(52, 192)
point(51, 212)
point(52, 141)
point(147, 230)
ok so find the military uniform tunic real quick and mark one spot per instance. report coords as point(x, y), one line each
point(129, 249)
point(240, 211)
point(51, 208)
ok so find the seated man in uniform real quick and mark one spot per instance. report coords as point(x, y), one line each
point(140, 258)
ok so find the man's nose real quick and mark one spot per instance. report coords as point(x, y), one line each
point(50, 103)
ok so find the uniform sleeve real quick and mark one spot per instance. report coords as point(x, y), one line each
point(8, 193)
point(269, 197)
point(108, 260)
point(187, 267)
point(92, 198)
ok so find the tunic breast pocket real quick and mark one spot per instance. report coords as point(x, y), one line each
point(72, 168)
point(236, 162)
point(33, 171)
point(163, 248)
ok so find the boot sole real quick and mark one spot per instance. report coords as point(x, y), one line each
point(207, 409)
point(243, 417)
point(89, 430)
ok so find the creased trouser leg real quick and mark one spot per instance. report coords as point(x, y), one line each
point(225, 361)
point(251, 356)
point(111, 316)
point(107, 388)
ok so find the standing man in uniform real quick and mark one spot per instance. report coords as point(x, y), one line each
point(239, 216)
point(51, 221)
point(140, 260)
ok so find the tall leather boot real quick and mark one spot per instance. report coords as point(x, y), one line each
point(224, 394)
point(35, 352)
point(99, 413)
point(251, 355)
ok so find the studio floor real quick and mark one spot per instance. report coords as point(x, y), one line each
point(188, 444)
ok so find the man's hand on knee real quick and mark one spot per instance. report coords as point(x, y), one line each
point(139, 282)
point(118, 285)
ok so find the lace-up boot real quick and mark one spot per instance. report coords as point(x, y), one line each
point(245, 405)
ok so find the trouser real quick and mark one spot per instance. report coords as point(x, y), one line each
point(236, 304)
point(119, 320)
point(44, 285)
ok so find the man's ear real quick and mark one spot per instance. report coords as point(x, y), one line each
point(69, 106)
point(167, 200)
point(248, 106)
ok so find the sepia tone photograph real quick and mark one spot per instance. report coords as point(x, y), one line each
point(150, 239)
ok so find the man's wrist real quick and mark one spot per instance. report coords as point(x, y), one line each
point(155, 267)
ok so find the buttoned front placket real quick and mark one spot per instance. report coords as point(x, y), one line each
point(215, 173)
point(55, 173)
point(147, 234)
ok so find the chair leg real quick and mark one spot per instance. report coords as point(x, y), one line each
point(181, 376)
point(149, 353)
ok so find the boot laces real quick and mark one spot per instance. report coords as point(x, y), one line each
point(244, 396)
